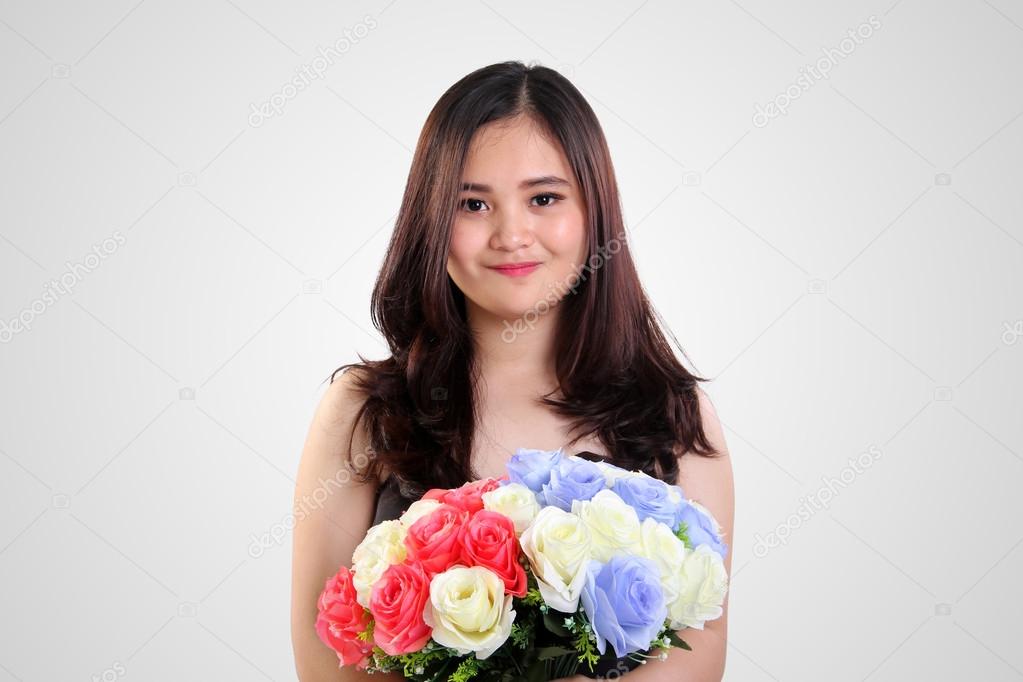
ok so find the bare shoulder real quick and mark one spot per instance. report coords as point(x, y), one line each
point(337, 444)
point(337, 416)
point(340, 403)
point(709, 414)
point(707, 471)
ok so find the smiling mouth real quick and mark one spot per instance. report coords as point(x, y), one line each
point(516, 270)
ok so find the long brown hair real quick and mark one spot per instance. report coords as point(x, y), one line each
point(617, 374)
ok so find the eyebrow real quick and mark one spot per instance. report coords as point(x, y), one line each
point(525, 184)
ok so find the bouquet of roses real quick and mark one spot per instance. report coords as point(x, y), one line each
point(560, 565)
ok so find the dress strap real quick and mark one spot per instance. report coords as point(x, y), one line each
point(592, 456)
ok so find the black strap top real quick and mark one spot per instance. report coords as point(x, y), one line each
point(390, 503)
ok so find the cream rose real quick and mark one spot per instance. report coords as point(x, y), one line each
point(613, 524)
point(663, 547)
point(704, 583)
point(515, 501)
point(558, 547)
point(416, 511)
point(383, 545)
point(469, 611)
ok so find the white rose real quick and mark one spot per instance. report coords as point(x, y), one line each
point(515, 501)
point(664, 548)
point(469, 611)
point(558, 547)
point(704, 583)
point(613, 524)
point(383, 545)
point(416, 511)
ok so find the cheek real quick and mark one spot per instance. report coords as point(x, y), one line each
point(466, 243)
point(567, 239)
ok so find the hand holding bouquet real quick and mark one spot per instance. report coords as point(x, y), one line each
point(559, 566)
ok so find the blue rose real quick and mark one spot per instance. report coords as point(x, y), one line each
point(649, 497)
point(532, 468)
point(701, 528)
point(572, 479)
point(624, 603)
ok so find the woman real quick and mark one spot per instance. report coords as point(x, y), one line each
point(515, 318)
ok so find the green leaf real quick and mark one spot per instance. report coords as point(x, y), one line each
point(537, 672)
point(466, 670)
point(556, 624)
point(533, 596)
point(683, 534)
point(549, 652)
point(678, 641)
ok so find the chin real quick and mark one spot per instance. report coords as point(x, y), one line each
point(511, 314)
point(518, 310)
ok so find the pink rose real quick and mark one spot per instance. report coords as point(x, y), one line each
point(341, 619)
point(468, 497)
point(489, 541)
point(397, 603)
point(435, 540)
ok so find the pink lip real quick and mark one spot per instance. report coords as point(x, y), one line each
point(516, 270)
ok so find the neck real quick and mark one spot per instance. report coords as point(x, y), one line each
point(514, 357)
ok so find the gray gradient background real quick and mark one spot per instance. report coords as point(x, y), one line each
point(849, 274)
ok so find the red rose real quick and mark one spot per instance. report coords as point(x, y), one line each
point(468, 497)
point(435, 540)
point(397, 603)
point(341, 618)
point(489, 541)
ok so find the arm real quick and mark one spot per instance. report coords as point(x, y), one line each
point(333, 510)
point(709, 482)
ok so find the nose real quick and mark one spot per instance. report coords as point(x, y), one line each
point(513, 229)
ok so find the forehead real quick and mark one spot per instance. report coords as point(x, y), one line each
point(513, 150)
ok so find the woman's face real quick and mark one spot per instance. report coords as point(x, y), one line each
point(519, 204)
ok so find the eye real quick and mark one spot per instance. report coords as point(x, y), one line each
point(551, 198)
point(473, 205)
